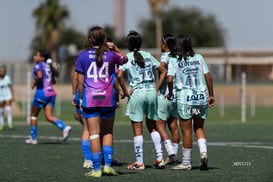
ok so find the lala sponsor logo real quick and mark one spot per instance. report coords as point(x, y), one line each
point(196, 97)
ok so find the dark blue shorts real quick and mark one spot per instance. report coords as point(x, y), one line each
point(103, 112)
point(40, 100)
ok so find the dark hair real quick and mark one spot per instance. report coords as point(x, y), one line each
point(109, 39)
point(134, 41)
point(55, 72)
point(170, 41)
point(184, 46)
point(97, 37)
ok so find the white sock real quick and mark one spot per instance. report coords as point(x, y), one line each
point(186, 156)
point(175, 148)
point(202, 143)
point(157, 144)
point(1, 116)
point(138, 144)
point(168, 146)
point(9, 114)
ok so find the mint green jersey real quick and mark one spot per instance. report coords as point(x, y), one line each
point(164, 88)
point(166, 58)
point(5, 90)
point(141, 78)
point(190, 83)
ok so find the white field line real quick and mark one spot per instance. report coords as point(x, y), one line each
point(256, 145)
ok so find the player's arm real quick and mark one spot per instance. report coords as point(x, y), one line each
point(122, 84)
point(208, 79)
point(162, 74)
point(74, 86)
point(80, 80)
point(170, 87)
point(112, 46)
point(37, 79)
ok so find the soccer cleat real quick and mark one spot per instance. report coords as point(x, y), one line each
point(31, 141)
point(109, 171)
point(136, 166)
point(158, 164)
point(87, 164)
point(182, 167)
point(170, 160)
point(204, 162)
point(66, 132)
point(93, 173)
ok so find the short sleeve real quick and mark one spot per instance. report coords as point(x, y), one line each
point(171, 68)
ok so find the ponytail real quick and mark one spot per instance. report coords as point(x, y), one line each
point(97, 40)
point(139, 59)
point(99, 55)
point(134, 41)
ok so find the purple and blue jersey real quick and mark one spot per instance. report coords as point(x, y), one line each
point(45, 93)
point(46, 83)
point(98, 81)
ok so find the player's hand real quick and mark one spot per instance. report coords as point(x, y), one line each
point(110, 45)
point(211, 101)
point(169, 96)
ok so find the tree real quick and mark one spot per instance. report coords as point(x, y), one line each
point(72, 36)
point(50, 18)
point(204, 30)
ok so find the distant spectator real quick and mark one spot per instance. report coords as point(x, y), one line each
point(6, 98)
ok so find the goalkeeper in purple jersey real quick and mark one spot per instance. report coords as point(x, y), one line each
point(95, 67)
point(45, 96)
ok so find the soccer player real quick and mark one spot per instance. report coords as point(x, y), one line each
point(167, 110)
point(143, 97)
point(85, 143)
point(6, 98)
point(194, 89)
point(96, 76)
point(45, 96)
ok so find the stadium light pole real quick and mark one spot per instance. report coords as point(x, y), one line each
point(156, 7)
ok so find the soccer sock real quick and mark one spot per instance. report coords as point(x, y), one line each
point(169, 147)
point(138, 144)
point(175, 148)
point(9, 114)
point(33, 132)
point(186, 156)
point(157, 144)
point(86, 149)
point(107, 154)
point(60, 124)
point(202, 143)
point(1, 116)
point(96, 159)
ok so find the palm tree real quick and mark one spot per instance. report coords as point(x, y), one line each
point(156, 7)
point(50, 18)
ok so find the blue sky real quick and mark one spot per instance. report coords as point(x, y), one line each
point(248, 22)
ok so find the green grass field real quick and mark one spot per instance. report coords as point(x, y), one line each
point(237, 151)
